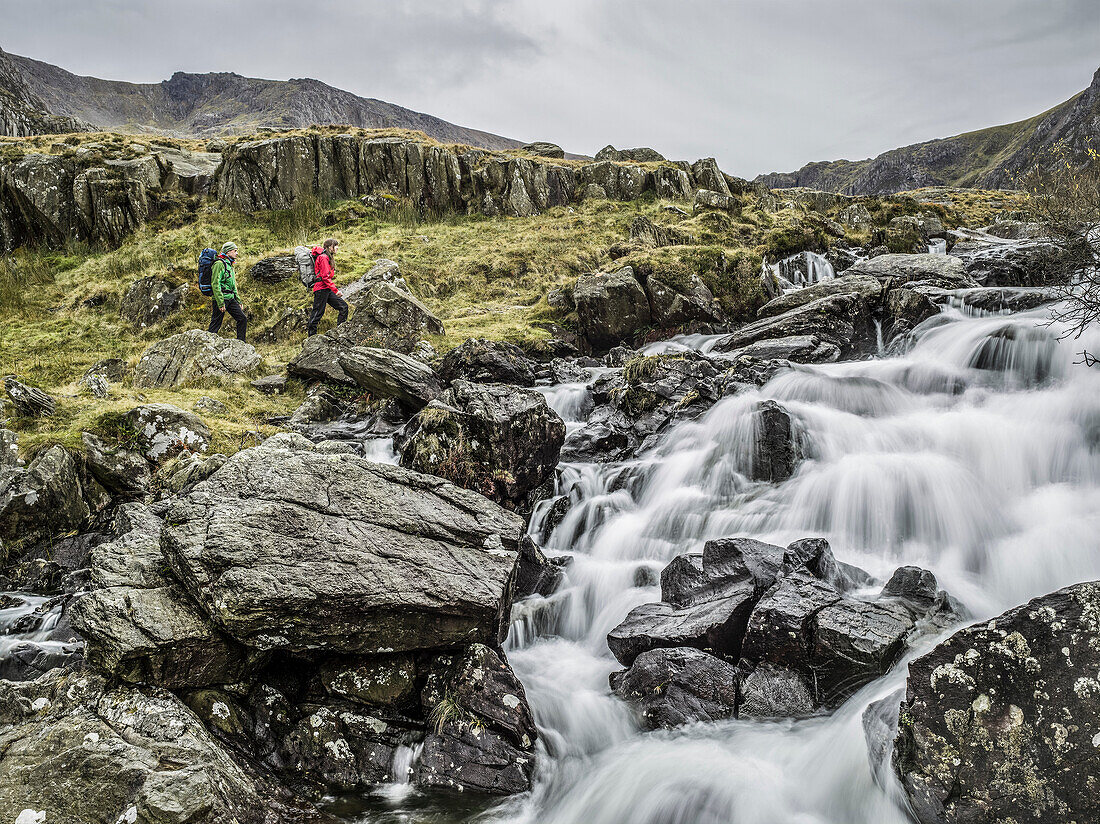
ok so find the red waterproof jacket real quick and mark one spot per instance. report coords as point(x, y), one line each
point(322, 267)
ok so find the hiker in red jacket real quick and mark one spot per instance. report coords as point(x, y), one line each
point(325, 292)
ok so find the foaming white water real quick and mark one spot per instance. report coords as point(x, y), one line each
point(975, 454)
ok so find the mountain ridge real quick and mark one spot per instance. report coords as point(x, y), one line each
point(216, 103)
point(989, 158)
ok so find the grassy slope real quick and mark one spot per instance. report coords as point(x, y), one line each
point(484, 277)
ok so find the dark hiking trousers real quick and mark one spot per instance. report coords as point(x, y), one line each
point(321, 299)
point(232, 307)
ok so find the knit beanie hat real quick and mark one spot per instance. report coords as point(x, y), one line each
point(228, 247)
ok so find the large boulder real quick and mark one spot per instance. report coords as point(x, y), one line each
point(842, 320)
point(274, 269)
point(120, 470)
point(933, 270)
point(160, 431)
point(388, 374)
point(488, 361)
point(497, 439)
point(150, 300)
point(43, 501)
point(293, 549)
point(77, 750)
point(192, 355)
point(992, 261)
point(612, 307)
point(999, 721)
point(386, 314)
point(777, 445)
point(28, 401)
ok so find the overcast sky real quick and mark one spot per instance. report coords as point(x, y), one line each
point(763, 85)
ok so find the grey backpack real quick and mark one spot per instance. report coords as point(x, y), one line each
point(303, 256)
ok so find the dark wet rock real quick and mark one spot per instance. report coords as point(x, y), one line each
point(319, 360)
point(380, 680)
point(774, 692)
point(274, 269)
point(1023, 353)
point(999, 721)
point(679, 305)
point(842, 319)
point(28, 401)
point(193, 355)
point(484, 733)
point(160, 431)
point(536, 574)
point(612, 308)
point(777, 443)
point(903, 309)
point(270, 384)
point(28, 660)
point(129, 755)
point(287, 548)
point(486, 361)
point(1005, 300)
point(388, 374)
point(670, 687)
point(151, 300)
point(880, 726)
point(43, 501)
point(121, 471)
point(750, 370)
point(634, 407)
point(497, 439)
point(868, 289)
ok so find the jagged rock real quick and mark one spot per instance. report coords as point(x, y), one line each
point(903, 309)
point(120, 470)
point(670, 687)
point(274, 269)
point(536, 574)
point(640, 155)
point(486, 734)
point(594, 191)
point(95, 385)
point(288, 548)
point(998, 721)
point(9, 449)
point(133, 558)
point(319, 360)
point(270, 384)
point(993, 262)
point(1004, 300)
point(839, 319)
point(777, 443)
point(709, 177)
point(706, 199)
point(864, 287)
point(384, 270)
point(41, 502)
point(113, 369)
point(388, 374)
point(128, 755)
point(934, 270)
point(150, 300)
point(682, 305)
point(486, 361)
point(388, 316)
point(634, 407)
point(192, 355)
point(183, 471)
point(612, 307)
point(544, 149)
point(497, 439)
point(27, 400)
point(161, 430)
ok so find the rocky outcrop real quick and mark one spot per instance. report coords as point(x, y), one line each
point(193, 355)
point(160, 431)
point(502, 441)
point(941, 271)
point(998, 722)
point(79, 750)
point(992, 261)
point(612, 307)
point(385, 314)
point(121, 471)
point(487, 361)
point(635, 406)
point(786, 617)
point(22, 112)
point(43, 501)
point(150, 300)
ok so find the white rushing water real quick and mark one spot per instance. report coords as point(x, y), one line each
point(976, 455)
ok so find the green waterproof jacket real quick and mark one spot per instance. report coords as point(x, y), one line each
point(223, 280)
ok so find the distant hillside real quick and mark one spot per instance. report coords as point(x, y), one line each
point(208, 104)
point(23, 113)
point(987, 159)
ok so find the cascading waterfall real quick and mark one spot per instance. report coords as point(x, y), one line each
point(938, 246)
point(976, 454)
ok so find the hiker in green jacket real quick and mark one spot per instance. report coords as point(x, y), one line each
point(223, 282)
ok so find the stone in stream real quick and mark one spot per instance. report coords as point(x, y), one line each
point(777, 443)
point(500, 440)
point(999, 721)
point(670, 687)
